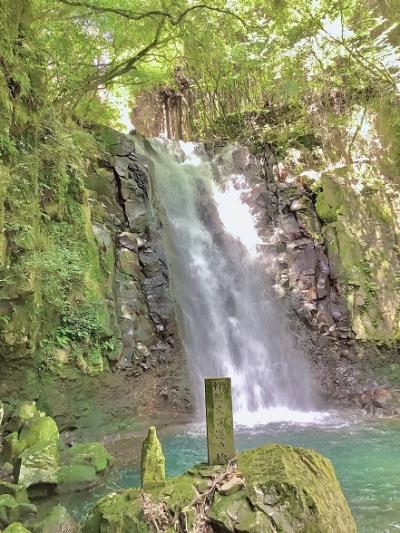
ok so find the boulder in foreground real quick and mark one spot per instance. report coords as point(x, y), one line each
point(273, 488)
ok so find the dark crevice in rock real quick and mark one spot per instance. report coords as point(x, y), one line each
point(119, 197)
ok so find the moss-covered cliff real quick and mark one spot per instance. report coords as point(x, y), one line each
point(361, 228)
point(83, 283)
point(54, 281)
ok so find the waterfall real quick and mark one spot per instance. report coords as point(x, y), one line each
point(230, 321)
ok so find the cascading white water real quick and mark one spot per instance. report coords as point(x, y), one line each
point(230, 323)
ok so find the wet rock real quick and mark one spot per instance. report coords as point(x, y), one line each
point(121, 166)
point(303, 262)
point(128, 263)
point(58, 520)
point(150, 261)
point(136, 214)
point(128, 240)
point(290, 227)
point(126, 189)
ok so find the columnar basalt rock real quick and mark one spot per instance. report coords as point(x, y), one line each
point(321, 252)
point(142, 299)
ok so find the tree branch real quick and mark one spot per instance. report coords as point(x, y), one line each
point(131, 15)
point(112, 72)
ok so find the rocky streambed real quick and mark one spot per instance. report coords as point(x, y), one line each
point(351, 442)
point(269, 487)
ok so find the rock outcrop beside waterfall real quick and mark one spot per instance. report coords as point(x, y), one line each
point(83, 279)
point(333, 264)
point(274, 488)
point(131, 231)
point(111, 304)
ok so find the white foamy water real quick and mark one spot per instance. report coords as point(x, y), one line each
point(235, 214)
point(229, 321)
point(264, 416)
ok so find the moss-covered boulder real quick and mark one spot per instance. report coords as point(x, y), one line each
point(36, 461)
point(38, 464)
point(12, 447)
point(18, 492)
point(88, 453)
point(39, 431)
point(16, 527)
point(117, 513)
point(12, 510)
point(274, 488)
point(75, 477)
point(81, 465)
point(58, 520)
point(297, 488)
point(26, 411)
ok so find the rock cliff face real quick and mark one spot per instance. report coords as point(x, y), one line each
point(83, 275)
point(84, 282)
point(126, 228)
point(330, 247)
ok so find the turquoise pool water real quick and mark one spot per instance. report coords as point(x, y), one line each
point(365, 453)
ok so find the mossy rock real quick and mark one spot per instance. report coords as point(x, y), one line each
point(297, 487)
point(18, 492)
point(247, 518)
point(39, 431)
point(76, 476)
point(12, 511)
point(325, 211)
point(290, 490)
point(26, 411)
point(58, 520)
point(16, 527)
point(117, 513)
point(88, 453)
point(12, 447)
point(38, 465)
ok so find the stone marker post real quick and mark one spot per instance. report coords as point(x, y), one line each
point(220, 440)
point(153, 462)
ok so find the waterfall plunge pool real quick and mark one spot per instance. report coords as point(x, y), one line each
point(364, 452)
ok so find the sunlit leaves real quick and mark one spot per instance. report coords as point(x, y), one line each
point(239, 54)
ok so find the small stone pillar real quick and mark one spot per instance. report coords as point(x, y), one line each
point(220, 438)
point(153, 461)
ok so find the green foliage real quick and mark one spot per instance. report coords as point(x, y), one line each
point(80, 323)
point(317, 57)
